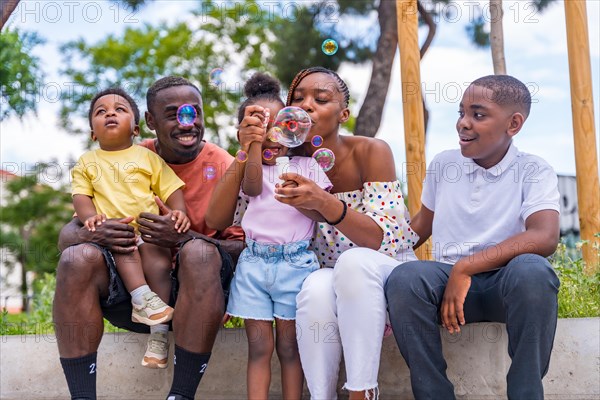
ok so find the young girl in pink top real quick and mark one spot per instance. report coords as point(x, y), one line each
point(276, 261)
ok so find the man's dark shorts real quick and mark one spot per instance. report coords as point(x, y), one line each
point(117, 307)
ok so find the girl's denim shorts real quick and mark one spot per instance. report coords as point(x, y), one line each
point(268, 278)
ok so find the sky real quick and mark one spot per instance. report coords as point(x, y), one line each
point(535, 48)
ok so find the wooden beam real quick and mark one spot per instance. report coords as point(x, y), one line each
point(414, 128)
point(582, 105)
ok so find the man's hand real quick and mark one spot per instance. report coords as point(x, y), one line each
point(161, 229)
point(114, 234)
point(452, 312)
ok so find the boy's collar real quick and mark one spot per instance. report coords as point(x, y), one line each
point(470, 166)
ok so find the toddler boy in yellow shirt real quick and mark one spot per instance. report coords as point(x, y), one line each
point(121, 180)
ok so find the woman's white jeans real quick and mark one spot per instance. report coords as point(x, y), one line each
point(344, 309)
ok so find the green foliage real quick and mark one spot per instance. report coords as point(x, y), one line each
point(234, 322)
point(39, 320)
point(133, 4)
point(579, 297)
point(478, 33)
point(541, 5)
point(141, 55)
point(298, 46)
point(235, 38)
point(579, 294)
point(300, 37)
point(20, 74)
point(41, 310)
point(12, 324)
point(31, 219)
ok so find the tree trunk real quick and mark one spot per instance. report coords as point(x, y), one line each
point(22, 258)
point(430, 24)
point(369, 116)
point(8, 6)
point(497, 37)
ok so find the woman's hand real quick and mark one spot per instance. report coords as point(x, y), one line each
point(300, 192)
point(253, 126)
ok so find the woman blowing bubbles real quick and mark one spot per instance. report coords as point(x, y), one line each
point(342, 306)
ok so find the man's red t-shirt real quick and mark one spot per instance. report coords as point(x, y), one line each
point(200, 177)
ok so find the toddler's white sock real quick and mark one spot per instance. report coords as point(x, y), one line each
point(138, 293)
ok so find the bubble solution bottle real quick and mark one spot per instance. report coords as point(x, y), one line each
point(282, 166)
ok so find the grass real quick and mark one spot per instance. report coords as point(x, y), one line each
point(579, 294)
point(579, 297)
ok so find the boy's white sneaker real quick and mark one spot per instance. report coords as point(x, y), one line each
point(153, 310)
point(157, 351)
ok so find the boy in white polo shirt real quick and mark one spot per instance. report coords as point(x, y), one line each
point(493, 214)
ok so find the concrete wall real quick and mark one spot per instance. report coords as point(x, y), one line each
point(477, 365)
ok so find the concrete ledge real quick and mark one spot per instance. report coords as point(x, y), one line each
point(477, 365)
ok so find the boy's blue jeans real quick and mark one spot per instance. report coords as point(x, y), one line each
point(523, 295)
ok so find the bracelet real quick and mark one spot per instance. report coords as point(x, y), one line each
point(342, 217)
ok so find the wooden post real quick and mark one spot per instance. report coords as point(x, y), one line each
point(414, 125)
point(586, 158)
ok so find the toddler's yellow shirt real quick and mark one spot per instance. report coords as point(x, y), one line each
point(123, 183)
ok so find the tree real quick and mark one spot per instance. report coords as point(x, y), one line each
point(8, 6)
point(297, 40)
point(369, 118)
point(30, 221)
point(495, 37)
point(281, 43)
point(137, 58)
point(299, 37)
point(20, 74)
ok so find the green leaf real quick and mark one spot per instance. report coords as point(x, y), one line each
point(20, 73)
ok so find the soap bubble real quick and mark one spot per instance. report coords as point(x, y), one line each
point(325, 158)
point(293, 124)
point(267, 154)
point(317, 141)
point(241, 156)
point(215, 76)
point(186, 114)
point(210, 172)
point(274, 134)
point(329, 47)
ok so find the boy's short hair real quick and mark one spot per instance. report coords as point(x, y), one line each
point(164, 83)
point(119, 92)
point(507, 90)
